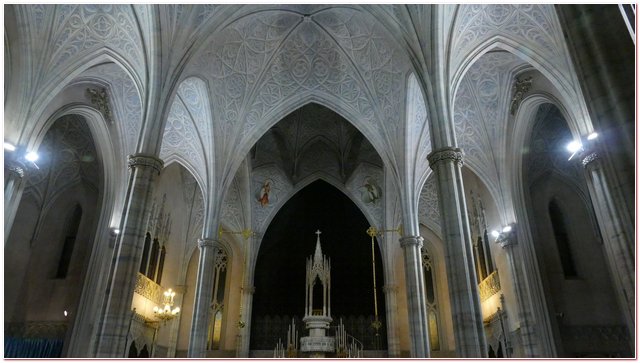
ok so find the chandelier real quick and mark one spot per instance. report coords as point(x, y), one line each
point(167, 312)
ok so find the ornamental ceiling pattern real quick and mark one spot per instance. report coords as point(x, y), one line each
point(239, 69)
point(481, 111)
point(67, 157)
point(62, 34)
point(534, 26)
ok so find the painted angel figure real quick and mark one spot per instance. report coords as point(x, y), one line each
point(263, 196)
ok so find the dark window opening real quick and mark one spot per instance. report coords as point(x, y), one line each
point(71, 231)
point(562, 239)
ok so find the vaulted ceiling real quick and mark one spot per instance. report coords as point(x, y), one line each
point(213, 80)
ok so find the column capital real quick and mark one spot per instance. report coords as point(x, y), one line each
point(207, 242)
point(453, 154)
point(143, 160)
point(15, 170)
point(507, 239)
point(411, 241)
point(589, 158)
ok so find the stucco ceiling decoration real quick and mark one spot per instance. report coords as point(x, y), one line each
point(125, 100)
point(314, 139)
point(481, 111)
point(68, 157)
point(535, 27)
point(261, 63)
point(69, 32)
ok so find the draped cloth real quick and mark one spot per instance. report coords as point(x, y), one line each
point(32, 348)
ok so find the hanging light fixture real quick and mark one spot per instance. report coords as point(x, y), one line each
point(167, 312)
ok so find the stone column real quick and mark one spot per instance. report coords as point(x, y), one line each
point(245, 322)
point(112, 339)
point(393, 339)
point(416, 299)
point(618, 240)
point(463, 290)
point(508, 241)
point(13, 186)
point(202, 300)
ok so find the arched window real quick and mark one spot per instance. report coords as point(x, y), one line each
point(432, 300)
point(163, 253)
point(70, 233)
point(562, 239)
point(153, 260)
point(217, 305)
point(145, 254)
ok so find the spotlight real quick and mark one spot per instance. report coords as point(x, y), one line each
point(65, 313)
point(9, 146)
point(574, 146)
point(506, 229)
point(116, 231)
point(592, 136)
point(495, 233)
point(31, 156)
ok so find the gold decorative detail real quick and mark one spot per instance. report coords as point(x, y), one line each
point(246, 233)
point(489, 286)
point(148, 288)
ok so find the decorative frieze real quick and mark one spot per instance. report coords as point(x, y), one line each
point(489, 286)
point(446, 154)
point(141, 160)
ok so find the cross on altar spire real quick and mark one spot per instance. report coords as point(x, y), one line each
point(318, 233)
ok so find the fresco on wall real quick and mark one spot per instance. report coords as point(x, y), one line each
point(370, 191)
point(265, 193)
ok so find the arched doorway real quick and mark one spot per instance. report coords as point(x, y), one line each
point(584, 313)
point(280, 268)
point(49, 246)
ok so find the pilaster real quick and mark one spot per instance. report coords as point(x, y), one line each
point(113, 337)
point(509, 242)
point(393, 336)
point(14, 175)
point(203, 297)
point(416, 299)
point(468, 330)
point(617, 237)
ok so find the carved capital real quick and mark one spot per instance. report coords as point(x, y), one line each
point(100, 98)
point(206, 242)
point(15, 170)
point(452, 154)
point(507, 239)
point(591, 157)
point(141, 160)
point(411, 241)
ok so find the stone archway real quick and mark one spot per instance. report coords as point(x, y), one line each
point(279, 272)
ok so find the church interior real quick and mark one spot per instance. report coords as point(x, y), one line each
point(338, 181)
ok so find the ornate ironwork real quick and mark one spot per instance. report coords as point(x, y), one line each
point(148, 288)
point(489, 286)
